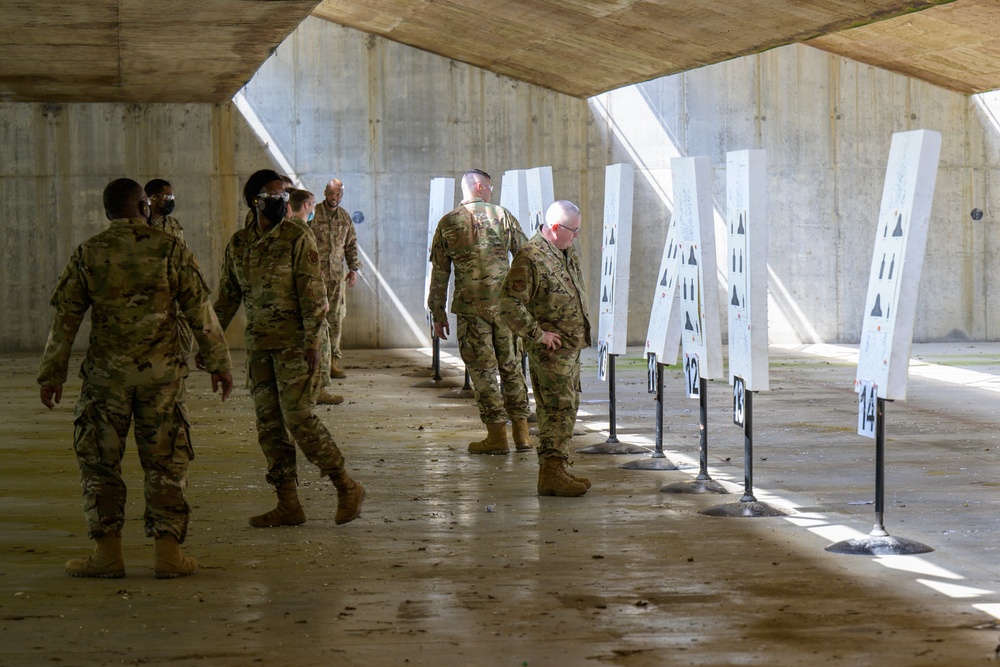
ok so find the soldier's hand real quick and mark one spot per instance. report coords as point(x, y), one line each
point(441, 330)
point(225, 380)
point(50, 394)
point(199, 363)
point(312, 359)
point(352, 277)
point(551, 340)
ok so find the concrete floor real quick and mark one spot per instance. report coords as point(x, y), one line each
point(456, 560)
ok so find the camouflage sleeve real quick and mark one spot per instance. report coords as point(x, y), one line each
point(518, 289)
point(71, 301)
point(437, 295)
point(517, 237)
point(351, 255)
point(230, 293)
point(310, 288)
point(192, 296)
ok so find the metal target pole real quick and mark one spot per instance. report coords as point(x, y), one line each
point(613, 436)
point(748, 496)
point(658, 453)
point(703, 430)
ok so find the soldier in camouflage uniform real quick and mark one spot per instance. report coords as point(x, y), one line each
point(543, 301)
point(476, 238)
point(133, 279)
point(301, 211)
point(161, 200)
point(338, 243)
point(272, 269)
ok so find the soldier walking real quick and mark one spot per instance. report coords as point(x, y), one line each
point(134, 279)
point(543, 301)
point(272, 268)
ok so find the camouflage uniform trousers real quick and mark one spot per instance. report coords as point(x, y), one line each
point(555, 378)
point(488, 348)
point(284, 396)
point(325, 352)
point(162, 435)
point(336, 291)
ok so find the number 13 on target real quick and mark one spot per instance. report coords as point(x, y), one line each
point(739, 401)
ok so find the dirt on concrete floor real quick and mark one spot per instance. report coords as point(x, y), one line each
point(456, 560)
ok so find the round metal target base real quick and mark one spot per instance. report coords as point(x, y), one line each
point(695, 486)
point(886, 545)
point(743, 509)
point(443, 383)
point(461, 392)
point(613, 448)
point(650, 463)
point(429, 373)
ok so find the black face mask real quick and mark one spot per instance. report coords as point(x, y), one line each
point(167, 208)
point(274, 210)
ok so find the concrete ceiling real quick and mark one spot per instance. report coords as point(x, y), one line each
point(585, 47)
point(954, 46)
point(138, 50)
point(205, 50)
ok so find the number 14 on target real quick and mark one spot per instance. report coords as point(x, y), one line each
point(867, 400)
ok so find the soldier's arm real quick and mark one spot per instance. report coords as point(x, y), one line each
point(71, 301)
point(227, 303)
point(192, 295)
point(351, 255)
point(437, 295)
point(518, 289)
point(517, 237)
point(309, 288)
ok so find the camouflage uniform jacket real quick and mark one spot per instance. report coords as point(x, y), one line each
point(276, 276)
point(544, 292)
point(131, 276)
point(476, 237)
point(337, 241)
point(168, 224)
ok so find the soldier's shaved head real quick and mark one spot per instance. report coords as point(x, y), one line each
point(477, 183)
point(122, 197)
point(334, 192)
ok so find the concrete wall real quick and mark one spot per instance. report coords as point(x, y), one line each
point(386, 119)
point(826, 123)
point(57, 158)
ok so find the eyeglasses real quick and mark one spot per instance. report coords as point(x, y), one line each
point(574, 232)
point(489, 185)
point(273, 195)
point(163, 197)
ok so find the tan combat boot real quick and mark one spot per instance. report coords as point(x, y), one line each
point(326, 398)
point(288, 512)
point(170, 562)
point(520, 432)
point(106, 562)
point(350, 495)
point(495, 441)
point(553, 480)
point(335, 370)
point(582, 480)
